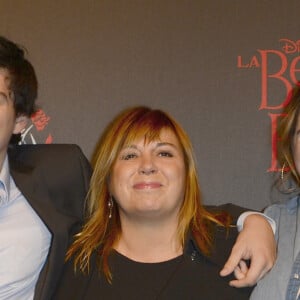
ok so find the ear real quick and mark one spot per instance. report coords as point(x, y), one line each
point(20, 124)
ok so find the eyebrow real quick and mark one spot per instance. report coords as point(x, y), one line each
point(159, 144)
point(166, 144)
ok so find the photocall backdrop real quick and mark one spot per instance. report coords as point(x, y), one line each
point(221, 68)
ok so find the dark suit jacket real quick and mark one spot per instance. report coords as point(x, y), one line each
point(54, 179)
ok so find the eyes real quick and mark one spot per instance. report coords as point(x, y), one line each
point(166, 154)
point(128, 155)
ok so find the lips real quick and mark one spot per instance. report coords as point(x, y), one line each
point(146, 185)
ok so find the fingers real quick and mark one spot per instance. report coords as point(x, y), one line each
point(229, 266)
point(243, 280)
point(249, 277)
point(240, 271)
point(242, 268)
point(237, 254)
point(246, 276)
point(256, 243)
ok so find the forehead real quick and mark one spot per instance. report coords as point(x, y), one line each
point(168, 135)
point(165, 135)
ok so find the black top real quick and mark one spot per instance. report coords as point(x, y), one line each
point(135, 280)
point(189, 276)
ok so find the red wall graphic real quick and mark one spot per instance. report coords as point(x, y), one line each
point(37, 131)
point(277, 68)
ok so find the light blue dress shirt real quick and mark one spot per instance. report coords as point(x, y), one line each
point(24, 242)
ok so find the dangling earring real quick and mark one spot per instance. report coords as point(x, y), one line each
point(287, 186)
point(282, 172)
point(110, 206)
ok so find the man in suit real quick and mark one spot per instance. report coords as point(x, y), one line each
point(42, 190)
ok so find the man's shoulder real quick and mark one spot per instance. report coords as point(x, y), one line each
point(34, 148)
point(42, 149)
point(42, 154)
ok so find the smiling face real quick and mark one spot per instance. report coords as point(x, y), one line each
point(148, 179)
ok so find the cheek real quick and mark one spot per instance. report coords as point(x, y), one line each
point(118, 181)
point(297, 161)
point(296, 157)
point(178, 177)
point(112, 183)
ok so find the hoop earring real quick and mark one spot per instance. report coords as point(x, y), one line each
point(110, 205)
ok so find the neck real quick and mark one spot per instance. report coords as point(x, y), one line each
point(149, 241)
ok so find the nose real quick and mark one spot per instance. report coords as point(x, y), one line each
point(145, 171)
point(147, 166)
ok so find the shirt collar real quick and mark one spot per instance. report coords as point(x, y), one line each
point(4, 182)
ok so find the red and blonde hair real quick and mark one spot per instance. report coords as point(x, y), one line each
point(100, 232)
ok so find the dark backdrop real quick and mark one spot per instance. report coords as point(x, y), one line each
point(222, 68)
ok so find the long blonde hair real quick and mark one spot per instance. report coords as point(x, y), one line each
point(100, 232)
